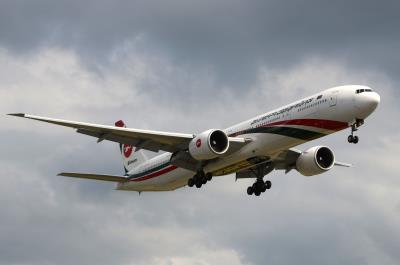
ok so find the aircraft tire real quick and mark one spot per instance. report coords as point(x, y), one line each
point(208, 176)
point(260, 186)
point(268, 184)
point(355, 139)
point(191, 182)
point(350, 139)
point(263, 187)
point(250, 190)
point(257, 192)
point(198, 185)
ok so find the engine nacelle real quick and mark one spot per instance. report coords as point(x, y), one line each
point(315, 160)
point(208, 145)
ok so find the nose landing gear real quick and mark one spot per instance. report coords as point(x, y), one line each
point(354, 127)
point(352, 139)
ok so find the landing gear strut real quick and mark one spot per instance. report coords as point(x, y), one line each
point(199, 179)
point(354, 127)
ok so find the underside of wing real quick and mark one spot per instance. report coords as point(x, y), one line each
point(94, 176)
point(286, 160)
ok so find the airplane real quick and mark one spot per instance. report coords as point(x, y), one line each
point(250, 149)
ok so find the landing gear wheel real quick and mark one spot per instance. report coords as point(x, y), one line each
point(191, 182)
point(250, 190)
point(208, 176)
point(263, 188)
point(198, 185)
point(260, 185)
point(204, 181)
point(268, 184)
point(350, 138)
point(257, 192)
point(355, 139)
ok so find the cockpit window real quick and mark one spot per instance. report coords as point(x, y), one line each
point(358, 91)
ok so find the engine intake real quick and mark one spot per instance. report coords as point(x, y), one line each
point(315, 160)
point(208, 145)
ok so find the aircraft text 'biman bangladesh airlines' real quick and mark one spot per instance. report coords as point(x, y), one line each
point(250, 149)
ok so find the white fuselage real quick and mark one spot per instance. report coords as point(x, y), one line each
point(310, 118)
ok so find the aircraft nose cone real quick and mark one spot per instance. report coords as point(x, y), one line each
point(366, 103)
point(374, 99)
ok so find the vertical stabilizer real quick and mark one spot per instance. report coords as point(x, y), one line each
point(131, 157)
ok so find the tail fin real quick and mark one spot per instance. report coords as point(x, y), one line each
point(130, 156)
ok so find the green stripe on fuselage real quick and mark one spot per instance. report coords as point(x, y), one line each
point(149, 171)
point(286, 131)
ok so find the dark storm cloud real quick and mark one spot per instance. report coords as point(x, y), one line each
point(231, 37)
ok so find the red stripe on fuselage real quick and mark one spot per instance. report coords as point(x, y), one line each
point(155, 174)
point(323, 124)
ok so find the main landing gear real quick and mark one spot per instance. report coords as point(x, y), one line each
point(354, 127)
point(199, 179)
point(259, 187)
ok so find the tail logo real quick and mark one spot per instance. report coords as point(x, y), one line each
point(127, 149)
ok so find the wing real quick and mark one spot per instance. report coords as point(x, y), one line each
point(284, 160)
point(144, 139)
point(94, 176)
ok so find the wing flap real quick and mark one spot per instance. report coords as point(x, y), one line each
point(94, 176)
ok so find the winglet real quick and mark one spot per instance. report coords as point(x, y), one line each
point(17, 114)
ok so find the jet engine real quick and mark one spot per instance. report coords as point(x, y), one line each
point(208, 145)
point(314, 161)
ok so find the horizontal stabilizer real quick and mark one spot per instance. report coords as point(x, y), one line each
point(95, 176)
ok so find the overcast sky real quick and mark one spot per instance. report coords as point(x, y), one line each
point(188, 66)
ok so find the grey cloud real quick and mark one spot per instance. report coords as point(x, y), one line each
point(330, 218)
point(174, 66)
point(232, 38)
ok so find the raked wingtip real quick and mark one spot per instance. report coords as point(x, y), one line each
point(17, 114)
